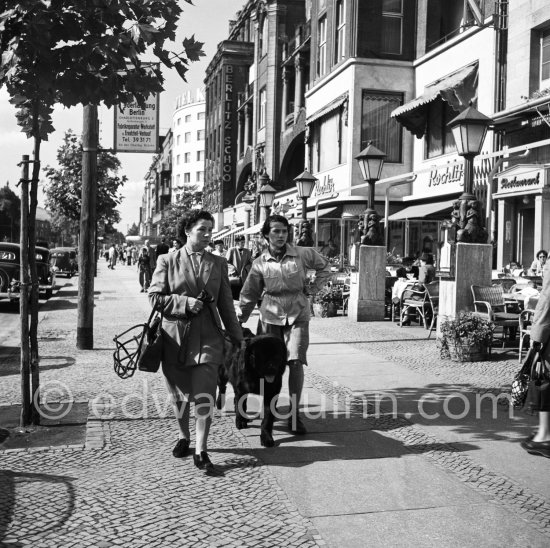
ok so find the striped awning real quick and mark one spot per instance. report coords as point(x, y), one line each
point(334, 104)
point(457, 89)
point(221, 233)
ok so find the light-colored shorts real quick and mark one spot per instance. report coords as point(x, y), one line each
point(192, 381)
point(295, 337)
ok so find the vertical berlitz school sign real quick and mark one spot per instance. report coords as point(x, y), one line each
point(137, 129)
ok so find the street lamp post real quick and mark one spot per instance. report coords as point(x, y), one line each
point(371, 162)
point(266, 193)
point(249, 199)
point(305, 183)
point(469, 130)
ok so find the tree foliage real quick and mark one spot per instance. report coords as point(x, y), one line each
point(86, 52)
point(64, 188)
point(174, 212)
point(133, 230)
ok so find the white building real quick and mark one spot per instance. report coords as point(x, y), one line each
point(188, 128)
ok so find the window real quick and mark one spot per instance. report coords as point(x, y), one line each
point(263, 107)
point(188, 118)
point(377, 125)
point(178, 138)
point(439, 137)
point(340, 41)
point(263, 37)
point(179, 121)
point(330, 140)
point(392, 26)
point(200, 116)
point(178, 160)
point(188, 137)
point(187, 157)
point(545, 59)
point(187, 177)
point(200, 176)
point(200, 135)
point(200, 155)
point(178, 180)
point(322, 48)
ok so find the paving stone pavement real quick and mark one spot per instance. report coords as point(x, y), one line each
point(123, 487)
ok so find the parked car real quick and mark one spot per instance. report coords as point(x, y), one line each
point(63, 260)
point(10, 256)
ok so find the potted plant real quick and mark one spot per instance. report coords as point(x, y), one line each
point(327, 301)
point(466, 338)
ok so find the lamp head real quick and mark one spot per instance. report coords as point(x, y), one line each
point(469, 129)
point(371, 162)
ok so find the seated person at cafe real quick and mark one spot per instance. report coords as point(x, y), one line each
point(408, 269)
point(426, 272)
point(538, 264)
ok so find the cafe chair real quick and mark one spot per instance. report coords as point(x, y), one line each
point(414, 301)
point(432, 297)
point(489, 304)
point(506, 283)
point(525, 322)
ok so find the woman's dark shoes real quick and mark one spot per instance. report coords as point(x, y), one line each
point(181, 448)
point(202, 461)
point(296, 426)
point(541, 448)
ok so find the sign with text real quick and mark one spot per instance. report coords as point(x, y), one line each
point(520, 179)
point(137, 129)
point(441, 180)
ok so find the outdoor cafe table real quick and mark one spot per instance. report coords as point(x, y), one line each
point(399, 287)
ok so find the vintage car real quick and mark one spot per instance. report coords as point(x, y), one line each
point(10, 283)
point(63, 261)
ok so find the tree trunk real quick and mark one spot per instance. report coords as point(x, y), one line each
point(33, 333)
point(26, 407)
point(86, 258)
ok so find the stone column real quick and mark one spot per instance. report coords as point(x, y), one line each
point(285, 96)
point(298, 83)
point(368, 285)
point(472, 264)
point(246, 125)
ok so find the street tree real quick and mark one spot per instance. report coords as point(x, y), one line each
point(133, 230)
point(79, 52)
point(174, 212)
point(64, 187)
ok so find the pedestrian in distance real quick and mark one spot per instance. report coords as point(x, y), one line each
point(162, 248)
point(218, 248)
point(152, 255)
point(278, 276)
point(190, 363)
point(539, 444)
point(176, 244)
point(239, 259)
point(113, 254)
point(144, 269)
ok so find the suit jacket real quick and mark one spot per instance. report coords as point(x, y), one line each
point(239, 265)
point(540, 330)
point(173, 283)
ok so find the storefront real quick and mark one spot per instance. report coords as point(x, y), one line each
point(523, 199)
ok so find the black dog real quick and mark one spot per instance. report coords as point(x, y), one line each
point(258, 368)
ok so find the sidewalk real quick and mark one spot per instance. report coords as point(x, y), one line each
point(363, 476)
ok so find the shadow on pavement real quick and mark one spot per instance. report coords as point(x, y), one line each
point(14, 489)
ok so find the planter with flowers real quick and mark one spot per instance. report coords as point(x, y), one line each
point(467, 338)
point(326, 302)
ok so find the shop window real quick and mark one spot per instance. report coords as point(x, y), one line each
point(340, 39)
point(379, 127)
point(392, 26)
point(545, 59)
point(263, 109)
point(439, 137)
point(322, 48)
point(329, 141)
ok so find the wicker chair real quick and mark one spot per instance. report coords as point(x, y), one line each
point(489, 304)
point(525, 321)
point(506, 283)
point(414, 300)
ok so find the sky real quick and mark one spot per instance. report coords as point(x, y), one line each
point(208, 20)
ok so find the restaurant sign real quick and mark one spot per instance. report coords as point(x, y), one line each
point(521, 179)
point(440, 180)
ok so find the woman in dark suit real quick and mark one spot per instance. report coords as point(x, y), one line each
point(192, 354)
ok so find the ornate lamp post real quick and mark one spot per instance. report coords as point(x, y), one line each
point(249, 199)
point(266, 193)
point(469, 129)
point(371, 162)
point(305, 183)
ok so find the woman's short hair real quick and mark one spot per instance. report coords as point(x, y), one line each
point(542, 252)
point(218, 242)
point(190, 218)
point(274, 219)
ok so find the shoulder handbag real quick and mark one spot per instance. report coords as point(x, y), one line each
point(538, 393)
point(150, 351)
point(520, 384)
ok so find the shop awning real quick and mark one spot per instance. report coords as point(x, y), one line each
point(254, 229)
point(334, 104)
point(421, 210)
point(234, 231)
point(220, 234)
point(457, 89)
point(326, 212)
